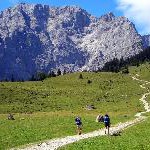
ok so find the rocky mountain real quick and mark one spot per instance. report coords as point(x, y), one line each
point(39, 38)
point(146, 40)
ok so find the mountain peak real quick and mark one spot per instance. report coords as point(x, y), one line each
point(39, 38)
point(108, 17)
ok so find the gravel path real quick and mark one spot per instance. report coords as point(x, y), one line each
point(56, 143)
point(143, 99)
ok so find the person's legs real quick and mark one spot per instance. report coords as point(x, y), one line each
point(79, 129)
point(108, 129)
point(105, 128)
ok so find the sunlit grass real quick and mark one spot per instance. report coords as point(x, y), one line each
point(46, 110)
point(136, 137)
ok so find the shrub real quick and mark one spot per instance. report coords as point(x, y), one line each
point(41, 76)
point(80, 76)
point(58, 72)
point(89, 81)
point(52, 74)
point(125, 70)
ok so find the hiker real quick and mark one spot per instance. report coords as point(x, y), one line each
point(100, 118)
point(107, 123)
point(79, 125)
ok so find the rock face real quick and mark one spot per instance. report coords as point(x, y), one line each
point(37, 38)
point(146, 40)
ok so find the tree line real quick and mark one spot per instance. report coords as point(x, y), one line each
point(117, 65)
point(39, 76)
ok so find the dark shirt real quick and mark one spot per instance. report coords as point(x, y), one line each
point(78, 121)
point(106, 119)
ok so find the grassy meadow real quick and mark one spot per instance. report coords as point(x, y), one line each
point(135, 137)
point(143, 70)
point(46, 109)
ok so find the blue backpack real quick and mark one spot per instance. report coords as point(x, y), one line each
point(78, 121)
point(106, 119)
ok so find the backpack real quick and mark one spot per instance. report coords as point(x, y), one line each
point(106, 119)
point(78, 121)
point(99, 118)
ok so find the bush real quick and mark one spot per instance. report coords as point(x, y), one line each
point(52, 74)
point(58, 72)
point(80, 76)
point(41, 76)
point(89, 81)
point(125, 70)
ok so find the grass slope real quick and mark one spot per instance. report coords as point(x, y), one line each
point(70, 93)
point(136, 137)
point(45, 110)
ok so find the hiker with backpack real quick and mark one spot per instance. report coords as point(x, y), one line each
point(78, 124)
point(107, 123)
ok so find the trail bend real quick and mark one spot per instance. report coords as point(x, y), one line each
point(54, 144)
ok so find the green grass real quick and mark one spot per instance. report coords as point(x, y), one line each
point(143, 70)
point(136, 137)
point(70, 93)
point(148, 99)
point(28, 128)
point(45, 110)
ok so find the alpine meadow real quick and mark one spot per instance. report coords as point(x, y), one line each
point(56, 101)
point(63, 69)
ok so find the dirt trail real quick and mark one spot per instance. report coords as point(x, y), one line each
point(143, 99)
point(59, 142)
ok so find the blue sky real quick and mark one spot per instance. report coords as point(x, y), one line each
point(135, 10)
point(95, 7)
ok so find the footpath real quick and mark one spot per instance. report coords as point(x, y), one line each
point(59, 142)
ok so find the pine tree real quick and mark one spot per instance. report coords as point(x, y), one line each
point(52, 74)
point(58, 72)
point(80, 76)
point(12, 78)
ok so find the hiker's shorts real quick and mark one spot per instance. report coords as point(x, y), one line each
point(107, 124)
point(79, 126)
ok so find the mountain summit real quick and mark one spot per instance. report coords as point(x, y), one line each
point(39, 38)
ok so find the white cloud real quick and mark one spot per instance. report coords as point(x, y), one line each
point(138, 11)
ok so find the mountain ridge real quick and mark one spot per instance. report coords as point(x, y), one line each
point(40, 38)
